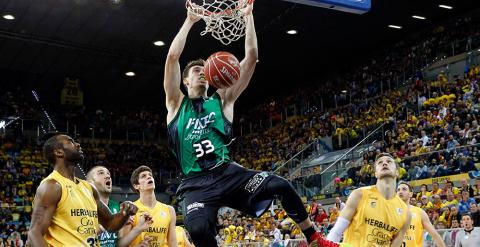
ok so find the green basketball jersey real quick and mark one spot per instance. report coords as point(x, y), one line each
point(109, 239)
point(199, 134)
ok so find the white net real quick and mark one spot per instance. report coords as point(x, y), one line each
point(223, 18)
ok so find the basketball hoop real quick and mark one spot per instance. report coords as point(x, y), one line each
point(223, 18)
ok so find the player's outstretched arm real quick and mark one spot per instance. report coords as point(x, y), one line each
point(172, 76)
point(172, 236)
point(247, 65)
point(46, 199)
point(427, 225)
point(346, 216)
point(398, 240)
point(113, 222)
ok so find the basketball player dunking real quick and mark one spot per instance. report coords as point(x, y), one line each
point(374, 215)
point(199, 131)
point(67, 210)
point(420, 221)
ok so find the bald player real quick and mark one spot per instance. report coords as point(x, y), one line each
point(67, 210)
point(100, 177)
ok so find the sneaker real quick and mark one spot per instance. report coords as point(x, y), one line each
point(316, 240)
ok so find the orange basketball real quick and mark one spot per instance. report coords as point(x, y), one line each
point(222, 69)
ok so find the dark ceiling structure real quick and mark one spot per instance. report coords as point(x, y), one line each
point(98, 41)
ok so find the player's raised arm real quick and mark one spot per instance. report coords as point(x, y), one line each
point(346, 216)
point(247, 65)
point(46, 199)
point(172, 76)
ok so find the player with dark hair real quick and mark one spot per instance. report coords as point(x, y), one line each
point(199, 132)
point(154, 223)
point(420, 221)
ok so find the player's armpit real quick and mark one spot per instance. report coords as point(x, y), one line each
point(45, 203)
point(398, 240)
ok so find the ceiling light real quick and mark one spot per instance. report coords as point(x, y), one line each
point(395, 26)
point(344, 91)
point(159, 43)
point(445, 6)
point(130, 73)
point(9, 17)
point(418, 17)
point(292, 31)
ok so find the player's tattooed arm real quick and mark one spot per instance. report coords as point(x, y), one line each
point(45, 203)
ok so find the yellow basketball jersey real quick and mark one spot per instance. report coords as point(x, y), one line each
point(180, 233)
point(414, 235)
point(158, 231)
point(377, 220)
point(75, 220)
point(181, 240)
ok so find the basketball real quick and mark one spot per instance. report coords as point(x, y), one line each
point(222, 69)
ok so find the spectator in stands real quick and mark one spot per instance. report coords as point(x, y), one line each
point(333, 214)
point(465, 202)
point(469, 236)
point(449, 187)
point(451, 201)
point(325, 227)
point(450, 236)
point(435, 189)
point(422, 173)
point(314, 208)
point(321, 215)
point(423, 192)
point(466, 164)
point(426, 204)
point(413, 201)
point(437, 202)
point(454, 214)
point(476, 188)
point(275, 232)
point(474, 211)
point(339, 204)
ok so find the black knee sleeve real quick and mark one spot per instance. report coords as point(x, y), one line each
point(291, 202)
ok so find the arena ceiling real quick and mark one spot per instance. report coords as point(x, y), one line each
point(99, 40)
